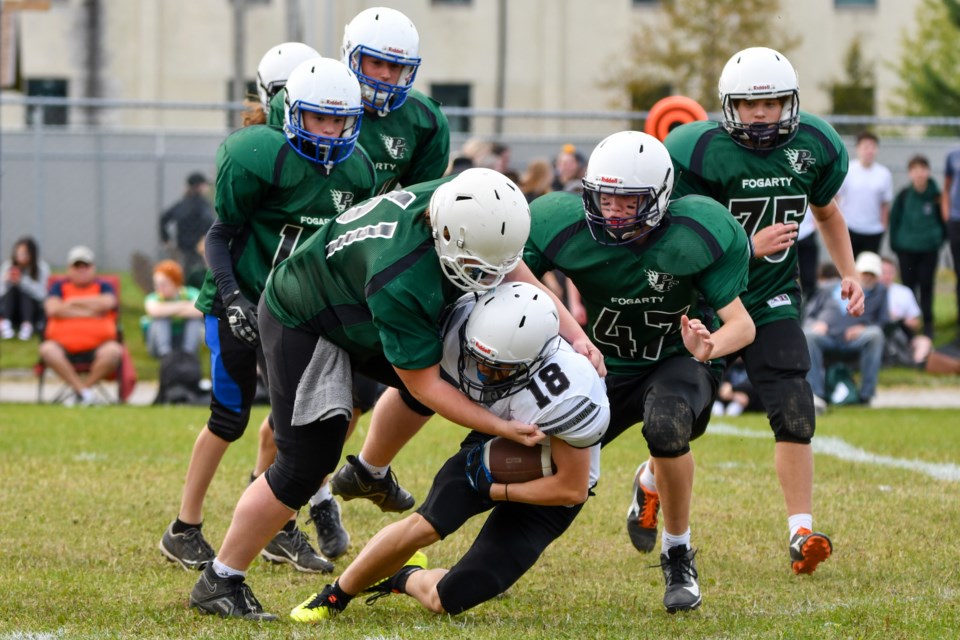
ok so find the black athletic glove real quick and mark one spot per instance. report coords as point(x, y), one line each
point(477, 473)
point(242, 316)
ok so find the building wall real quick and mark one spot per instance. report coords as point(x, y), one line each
point(558, 51)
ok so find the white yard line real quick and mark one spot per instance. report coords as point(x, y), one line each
point(838, 448)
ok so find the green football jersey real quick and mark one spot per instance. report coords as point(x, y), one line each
point(370, 282)
point(279, 199)
point(636, 293)
point(760, 188)
point(407, 146)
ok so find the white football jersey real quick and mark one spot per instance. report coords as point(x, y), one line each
point(566, 397)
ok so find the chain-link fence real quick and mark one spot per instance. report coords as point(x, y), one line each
point(106, 185)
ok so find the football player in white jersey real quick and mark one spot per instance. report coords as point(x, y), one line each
point(504, 352)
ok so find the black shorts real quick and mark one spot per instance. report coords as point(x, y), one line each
point(676, 391)
point(233, 368)
point(509, 543)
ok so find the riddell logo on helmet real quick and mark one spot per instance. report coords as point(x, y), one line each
point(609, 180)
point(762, 87)
point(482, 348)
point(402, 52)
point(335, 103)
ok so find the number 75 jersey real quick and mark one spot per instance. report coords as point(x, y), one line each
point(761, 188)
point(635, 294)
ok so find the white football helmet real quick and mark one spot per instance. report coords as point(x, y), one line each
point(275, 67)
point(628, 163)
point(327, 87)
point(510, 332)
point(480, 222)
point(754, 74)
point(388, 35)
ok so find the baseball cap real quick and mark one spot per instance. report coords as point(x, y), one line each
point(196, 178)
point(869, 262)
point(80, 253)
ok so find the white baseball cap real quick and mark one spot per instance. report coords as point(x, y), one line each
point(869, 262)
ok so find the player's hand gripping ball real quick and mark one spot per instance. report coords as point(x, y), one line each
point(511, 462)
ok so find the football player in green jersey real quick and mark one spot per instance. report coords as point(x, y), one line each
point(272, 72)
point(641, 270)
point(766, 162)
point(275, 188)
point(408, 139)
point(366, 293)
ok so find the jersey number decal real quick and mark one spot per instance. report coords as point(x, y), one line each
point(289, 237)
point(620, 336)
point(749, 212)
point(553, 379)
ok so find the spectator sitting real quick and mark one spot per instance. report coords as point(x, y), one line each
point(568, 169)
point(736, 393)
point(536, 179)
point(830, 330)
point(172, 320)
point(904, 326)
point(80, 325)
point(22, 290)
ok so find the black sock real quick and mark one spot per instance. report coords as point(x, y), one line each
point(179, 526)
point(291, 526)
point(341, 599)
point(400, 578)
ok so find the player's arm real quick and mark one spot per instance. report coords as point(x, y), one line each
point(570, 329)
point(836, 238)
point(736, 333)
point(568, 486)
point(429, 388)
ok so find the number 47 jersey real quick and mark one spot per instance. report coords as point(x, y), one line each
point(761, 188)
point(565, 397)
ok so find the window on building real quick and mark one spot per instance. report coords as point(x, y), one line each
point(854, 3)
point(47, 88)
point(451, 2)
point(454, 95)
point(645, 3)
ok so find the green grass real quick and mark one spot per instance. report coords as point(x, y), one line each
point(87, 494)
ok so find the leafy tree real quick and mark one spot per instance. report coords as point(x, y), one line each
point(855, 94)
point(692, 40)
point(930, 64)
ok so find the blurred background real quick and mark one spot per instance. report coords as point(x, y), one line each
point(108, 105)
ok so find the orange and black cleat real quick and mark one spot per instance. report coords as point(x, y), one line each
point(808, 549)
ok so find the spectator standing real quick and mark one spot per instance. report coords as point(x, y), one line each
point(866, 195)
point(950, 207)
point(536, 179)
point(192, 217)
point(171, 321)
point(917, 231)
point(568, 169)
point(831, 330)
point(22, 290)
point(81, 327)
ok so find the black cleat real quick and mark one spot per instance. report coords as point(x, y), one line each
point(226, 597)
point(189, 548)
point(331, 536)
point(353, 481)
point(680, 574)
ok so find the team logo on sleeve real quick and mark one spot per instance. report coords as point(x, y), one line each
point(800, 159)
point(394, 146)
point(661, 282)
point(342, 200)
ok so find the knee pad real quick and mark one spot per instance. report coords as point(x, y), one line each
point(301, 466)
point(226, 424)
point(668, 425)
point(462, 590)
point(792, 416)
point(415, 405)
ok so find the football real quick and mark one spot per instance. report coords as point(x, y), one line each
point(511, 462)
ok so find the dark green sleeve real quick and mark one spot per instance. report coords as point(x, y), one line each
point(275, 114)
point(540, 227)
point(410, 339)
point(835, 161)
point(726, 278)
point(239, 191)
point(433, 147)
point(681, 143)
point(896, 217)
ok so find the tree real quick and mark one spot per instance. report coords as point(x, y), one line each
point(930, 64)
point(685, 52)
point(855, 94)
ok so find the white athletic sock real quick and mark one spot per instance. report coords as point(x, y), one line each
point(322, 495)
point(734, 409)
point(670, 540)
point(224, 571)
point(378, 473)
point(798, 521)
point(647, 479)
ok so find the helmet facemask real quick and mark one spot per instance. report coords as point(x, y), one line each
point(617, 231)
point(762, 135)
point(383, 97)
point(321, 149)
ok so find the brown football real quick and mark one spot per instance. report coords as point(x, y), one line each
point(511, 462)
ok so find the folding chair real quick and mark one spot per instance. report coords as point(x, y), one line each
point(124, 375)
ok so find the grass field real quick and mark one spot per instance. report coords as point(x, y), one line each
point(87, 494)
